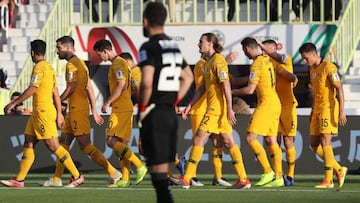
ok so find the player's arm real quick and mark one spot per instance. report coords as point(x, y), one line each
point(25, 95)
point(198, 93)
point(186, 79)
point(145, 93)
point(57, 103)
point(249, 89)
point(230, 113)
point(340, 98)
point(91, 97)
point(116, 94)
point(146, 84)
point(237, 82)
point(281, 58)
point(291, 77)
point(70, 88)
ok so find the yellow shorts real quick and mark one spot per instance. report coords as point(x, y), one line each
point(216, 124)
point(42, 125)
point(120, 125)
point(195, 122)
point(288, 121)
point(325, 121)
point(265, 120)
point(77, 123)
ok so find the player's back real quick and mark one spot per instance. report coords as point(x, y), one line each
point(164, 55)
point(44, 78)
point(262, 73)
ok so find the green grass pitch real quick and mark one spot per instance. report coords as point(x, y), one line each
point(95, 190)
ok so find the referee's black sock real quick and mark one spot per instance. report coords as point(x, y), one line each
point(161, 185)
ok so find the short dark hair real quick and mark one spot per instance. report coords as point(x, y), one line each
point(38, 46)
point(102, 44)
point(126, 55)
point(249, 42)
point(307, 47)
point(269, 41)
point(66, 40)
point(155, 13)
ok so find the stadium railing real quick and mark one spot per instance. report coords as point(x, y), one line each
point(61, 20)
point(59, 23)
point(347, 36)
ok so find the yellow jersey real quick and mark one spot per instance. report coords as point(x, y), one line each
point(44, 78)
point(120, 70)
point(283, 87)
point(78, 72)
point(199, 108)
point(323, 78)
point(135, 77)
point(215, 72)
point(262, 74)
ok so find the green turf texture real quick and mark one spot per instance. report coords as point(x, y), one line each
point(95, 190)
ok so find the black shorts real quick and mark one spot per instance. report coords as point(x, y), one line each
point(159, 135)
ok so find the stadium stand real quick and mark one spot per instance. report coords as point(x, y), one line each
point(34, 15)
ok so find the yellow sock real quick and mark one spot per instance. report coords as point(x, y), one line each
point(99, 158)
point(170, 174)
point(276, 158)
point(195, 156)
point(67, 161)
point(290, 158)
point(320, 152)
point(217, 162)
point(328, 162)
point(125, 169)
point(176, 161)
point(125, 152)
point(237, 161)
point(26, 162)
point(260, 154)
point(59, 170)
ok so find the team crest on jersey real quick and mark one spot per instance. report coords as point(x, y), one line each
point(252, 75)
point(223, 75)
point(336, 77)
point(34, 79)
point(142, 56)
point(119, 74)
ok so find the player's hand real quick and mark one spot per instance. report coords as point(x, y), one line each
point(60, 120)
point(231, 117)
point(295, 82)
point(105, 107)
point(144, 113)
point(185, 112)
point(97, 118)
point(342, 118)
point(232, 56)
point(8, 108)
